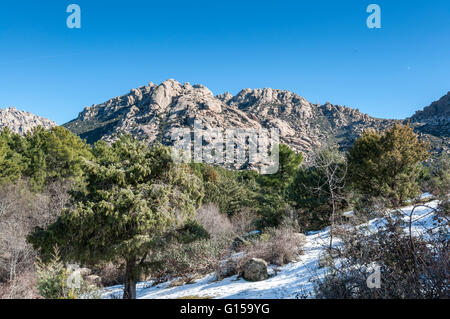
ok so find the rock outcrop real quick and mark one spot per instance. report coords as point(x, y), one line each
point(255, 270)
point(433, 124)
point(152, 113)
point(22, 122)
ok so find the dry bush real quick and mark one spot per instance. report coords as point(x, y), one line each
point(110, 273)
point(22, 287)
point(20, 212)
point(215, 223)
point(277, 246)
point(410, 267)
point(243, 221)
point(185, 260)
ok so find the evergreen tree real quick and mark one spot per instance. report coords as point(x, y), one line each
point(12, 162)
point(289, 162)
point(54, 154)
point(387, 164)
point(133, 195)
point(224, 188)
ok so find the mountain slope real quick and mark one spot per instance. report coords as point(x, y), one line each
point(433, 123)
point(294, 280)
point(21, 122)
point(152, 113)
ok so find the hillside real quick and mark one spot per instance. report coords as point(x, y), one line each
point(152, 112)
point(433, 123)
point(21, 122)
point(292, 281)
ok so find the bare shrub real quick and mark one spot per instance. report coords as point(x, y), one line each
point(411, 267)
point(20, 212)
point(22, 287)
point(215, 223)
point(243, 221)
point(110, 273)
point(185, 260)
point(277, 246)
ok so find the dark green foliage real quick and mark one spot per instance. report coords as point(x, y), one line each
point(12, 162)
point(319, 190)
point(272, 208)
point(387, 164)
point(436, 176)
point(271, 194)
point(191, 232)
point(306, 190)
point(42, 156)
point(225, 188)
point(133, 195)
point(289, 162)
point(308, 197)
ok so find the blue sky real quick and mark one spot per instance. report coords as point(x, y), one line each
point(321, 50)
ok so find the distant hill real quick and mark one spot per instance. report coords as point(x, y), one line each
point(152, 112)
point(433, 123)
point(21, 122)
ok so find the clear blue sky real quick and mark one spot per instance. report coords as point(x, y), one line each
point(322, 50)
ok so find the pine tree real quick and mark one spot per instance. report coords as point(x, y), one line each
point(289, 162)
point(54, 154)
point(387, 164)
point(133, 195)
point(12, 162)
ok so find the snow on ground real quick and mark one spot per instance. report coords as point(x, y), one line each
point(293, 280)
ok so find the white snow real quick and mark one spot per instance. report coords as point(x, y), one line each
point(293, 280)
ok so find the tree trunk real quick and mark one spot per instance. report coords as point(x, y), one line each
point(332, 220)
point(129, 291)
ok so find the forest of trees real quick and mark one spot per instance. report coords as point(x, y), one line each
point(127, 211)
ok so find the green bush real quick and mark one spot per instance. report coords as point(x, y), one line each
point(53, 280)
point(387, 163)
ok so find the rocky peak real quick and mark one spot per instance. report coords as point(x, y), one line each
point(437, 110)
point(153, 112)
point(434, 120)
point(22, 122)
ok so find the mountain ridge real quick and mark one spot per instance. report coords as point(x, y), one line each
point(22, 122)
point(152, 112)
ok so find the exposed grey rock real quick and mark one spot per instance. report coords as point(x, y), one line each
point(255, 270)
point(229, 266)
point(85, 272)
point(153, 112)
point(433, 124)
point(94, 279)
point(22, 122)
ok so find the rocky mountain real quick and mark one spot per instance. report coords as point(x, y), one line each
point(21, 122)
point(435, 118)
point(152, 113)
point(433, 124)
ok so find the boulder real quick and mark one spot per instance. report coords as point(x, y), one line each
point(255, 270)
point(85, 272)
point(94, 279)
point(229, 267)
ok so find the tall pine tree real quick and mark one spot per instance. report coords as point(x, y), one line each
point(133, 195)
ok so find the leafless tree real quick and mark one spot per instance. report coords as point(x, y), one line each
point(21, 210)
point(333, 168)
